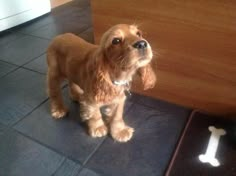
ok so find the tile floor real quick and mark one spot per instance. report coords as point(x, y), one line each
point(32, 143)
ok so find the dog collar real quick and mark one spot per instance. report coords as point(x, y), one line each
point(121, 83)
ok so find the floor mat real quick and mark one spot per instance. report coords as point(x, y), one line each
point(200, 137)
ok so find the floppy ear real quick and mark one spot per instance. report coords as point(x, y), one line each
point(148, 76)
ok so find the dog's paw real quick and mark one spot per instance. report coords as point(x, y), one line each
point(123, 135)
point(59, 113)
point(98, 132)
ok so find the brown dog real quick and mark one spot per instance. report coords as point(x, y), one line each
point(99, 75)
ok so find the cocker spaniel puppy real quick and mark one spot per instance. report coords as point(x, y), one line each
point(99, 75)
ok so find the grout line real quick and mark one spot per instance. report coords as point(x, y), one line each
point(25, 68)
point(93, 152)
point(11, 41)
point(49, 39)
point(29, 69)
point(31, 35)
point(10, 72)
point(47, 146)
point(96, 149)
point(98, 146)
point(59, 166)
point(21, 27)
point(80, 170)
point(9, 63)
point(12, 125)
point(34, 58)
point(23, 65)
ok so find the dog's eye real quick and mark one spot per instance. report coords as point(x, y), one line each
point(139, 34)
point(116, 41)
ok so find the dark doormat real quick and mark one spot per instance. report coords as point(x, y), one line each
point(200, 137)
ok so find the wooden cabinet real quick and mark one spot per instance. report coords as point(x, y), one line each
point(194, 44)
point(56, 3)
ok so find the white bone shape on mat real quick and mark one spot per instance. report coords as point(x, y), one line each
point(209, 156)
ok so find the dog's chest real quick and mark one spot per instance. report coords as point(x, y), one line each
point(110, 96)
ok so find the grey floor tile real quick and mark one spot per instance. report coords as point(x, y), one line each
point(23, 50)
point(2, 129)
point(74, 23)
point(35, 24)
point(158, 105)
point(6, 68)
point(69, 11)
point(150, 149)
point(88, 172)
point(9, 36)
point(67, 135)
point(20, 156)
point(39, 64)
point(20, 91)
point(68, 168)
point(73, 9)
point(52, 30)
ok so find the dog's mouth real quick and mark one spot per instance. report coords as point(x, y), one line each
point(135, 58)
point(144, 55)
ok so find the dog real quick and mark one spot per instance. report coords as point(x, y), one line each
point(99, 75)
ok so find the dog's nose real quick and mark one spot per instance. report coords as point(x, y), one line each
point(140, 44)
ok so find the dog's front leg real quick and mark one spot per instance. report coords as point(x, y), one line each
point(91, 113)
point(119, 130)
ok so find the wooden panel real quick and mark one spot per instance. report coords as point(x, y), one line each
point(55, 3)
point(194, 44)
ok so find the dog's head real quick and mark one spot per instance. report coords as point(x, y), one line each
point(125, 48)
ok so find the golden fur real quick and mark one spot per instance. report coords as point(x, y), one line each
point(91, 71)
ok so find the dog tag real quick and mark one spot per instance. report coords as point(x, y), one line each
point(127, 93)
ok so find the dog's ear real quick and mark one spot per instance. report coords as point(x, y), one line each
point(103, 91)
point(148, 76)
point(105, 41)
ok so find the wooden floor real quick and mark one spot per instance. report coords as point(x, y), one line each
point(195, 46)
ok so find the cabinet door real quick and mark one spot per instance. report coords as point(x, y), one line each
point(15, 12)
point(13, 7)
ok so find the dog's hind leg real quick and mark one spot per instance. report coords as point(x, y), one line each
point(75, 91)
point(54, 79)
